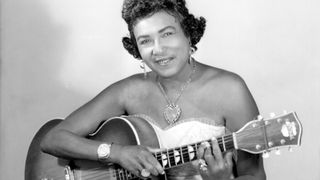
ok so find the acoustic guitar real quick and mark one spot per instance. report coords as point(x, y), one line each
point(257, 136)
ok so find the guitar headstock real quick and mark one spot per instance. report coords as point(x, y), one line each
point(264, 135)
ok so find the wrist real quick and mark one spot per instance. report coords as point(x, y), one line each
point(103, 152)
point(114, 153)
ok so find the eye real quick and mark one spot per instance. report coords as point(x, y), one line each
point(166, 34)
point(144, 41)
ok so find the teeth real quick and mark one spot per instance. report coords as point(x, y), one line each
point(164, 61)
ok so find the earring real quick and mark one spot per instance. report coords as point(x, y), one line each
point(143, 67)
point(192, 50)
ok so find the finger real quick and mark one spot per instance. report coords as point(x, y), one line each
point(150, 168)
point(228, 159)
point(135, 169)
point(208, 156)
point(154, 150)
point(155, 165)
point(144, 159)
point(145, 173)
point(146, 163)
point(216, 151)
point(154, 161)
point(200, 152)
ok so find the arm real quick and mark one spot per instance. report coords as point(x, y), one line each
point(67, 139)
point(82, 122)
point(244, 109)
point(239, 107)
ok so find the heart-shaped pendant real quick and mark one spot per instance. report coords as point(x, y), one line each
point(172, 113)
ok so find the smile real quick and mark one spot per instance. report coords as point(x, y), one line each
point(163, 61)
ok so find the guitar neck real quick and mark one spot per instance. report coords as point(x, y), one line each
point(180, 155)
point(177, 156)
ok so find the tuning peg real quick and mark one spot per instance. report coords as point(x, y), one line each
point(290, 149)
point(259, 117)
point(272, 114)
point(265, 154)
point(277, 152)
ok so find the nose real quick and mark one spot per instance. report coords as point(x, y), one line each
point(158, 48)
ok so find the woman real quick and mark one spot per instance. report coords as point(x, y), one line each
point(185, 100)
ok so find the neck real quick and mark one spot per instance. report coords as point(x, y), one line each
point(181, 77)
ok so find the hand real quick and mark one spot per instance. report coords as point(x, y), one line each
point(136, 159)
point(218, 166)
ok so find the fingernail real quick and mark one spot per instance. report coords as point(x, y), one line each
point(206, 144)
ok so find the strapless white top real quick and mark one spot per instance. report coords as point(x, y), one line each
point(184, 132)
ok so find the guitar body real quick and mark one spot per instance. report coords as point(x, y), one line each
point(39, 164)
point(120, 130)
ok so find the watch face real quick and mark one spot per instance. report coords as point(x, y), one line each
point(103, 151)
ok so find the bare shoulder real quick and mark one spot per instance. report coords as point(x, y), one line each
point(113, 100)
point(222, 80)
point(125, 87)
point(232, 94)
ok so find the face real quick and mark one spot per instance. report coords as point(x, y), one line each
point(162, 44)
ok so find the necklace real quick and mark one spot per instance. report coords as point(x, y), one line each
point(172, 111)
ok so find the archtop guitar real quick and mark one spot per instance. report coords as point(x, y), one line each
point(257, 136)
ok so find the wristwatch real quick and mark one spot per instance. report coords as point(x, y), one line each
point(103, 151)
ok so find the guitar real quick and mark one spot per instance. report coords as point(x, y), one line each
point(257, 136)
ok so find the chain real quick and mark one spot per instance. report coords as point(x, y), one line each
point(183, 87)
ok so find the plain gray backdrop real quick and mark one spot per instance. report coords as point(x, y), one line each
point(57, 55)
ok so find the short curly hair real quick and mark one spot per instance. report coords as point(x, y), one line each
point(133, 10)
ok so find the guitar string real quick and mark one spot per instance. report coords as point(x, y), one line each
point(157, 155)
point(119, 172)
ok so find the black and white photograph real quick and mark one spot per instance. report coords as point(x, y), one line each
point(159, 89)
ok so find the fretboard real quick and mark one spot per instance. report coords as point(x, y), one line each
point(180, 155)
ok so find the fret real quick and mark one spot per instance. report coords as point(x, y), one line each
point(195, 151)
point(129, 175)
point(126, 174)
point(168, 158)
point(181, 155)
point(117, 174)
point(164, 158)
point(219, 140)
point(172, 160)
point(223, 143)
point(121, 174)
point(159, 158)
point(177, 157)
point(114, 173)
point(229, 142)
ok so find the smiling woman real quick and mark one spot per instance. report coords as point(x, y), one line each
point(162, 45)
point(173, 95)
point(56, 55)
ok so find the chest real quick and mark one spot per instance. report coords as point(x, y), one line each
point(192, 103)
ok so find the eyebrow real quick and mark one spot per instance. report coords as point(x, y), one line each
point(160, 31)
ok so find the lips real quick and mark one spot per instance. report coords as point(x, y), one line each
point(163, 61)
